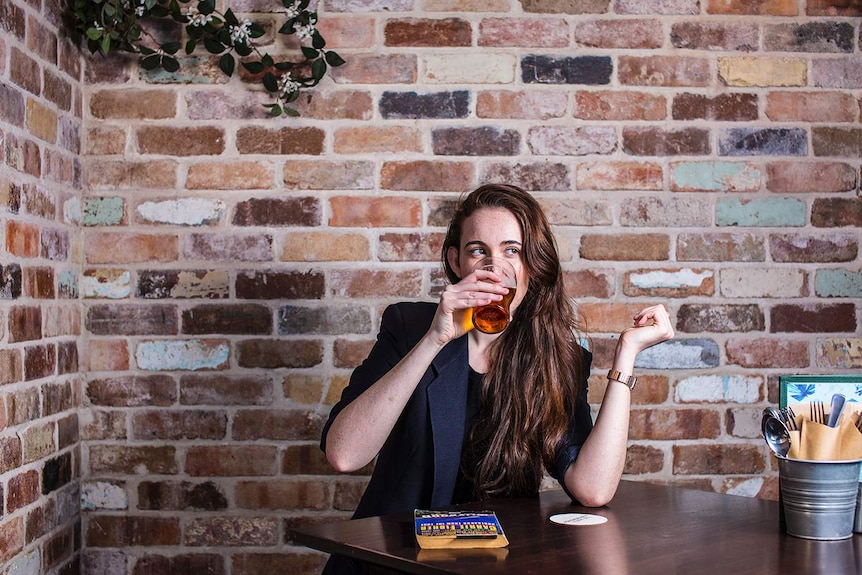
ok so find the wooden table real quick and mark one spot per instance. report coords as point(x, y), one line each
point(651, 529)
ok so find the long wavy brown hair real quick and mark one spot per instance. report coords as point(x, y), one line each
point(536, 365)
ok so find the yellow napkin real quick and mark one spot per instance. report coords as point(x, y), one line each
point(818, 442)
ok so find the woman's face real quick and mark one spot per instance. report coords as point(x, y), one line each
point(490, 232)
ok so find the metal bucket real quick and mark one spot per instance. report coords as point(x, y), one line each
point(819, 497)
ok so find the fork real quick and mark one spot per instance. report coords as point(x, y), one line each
point(818, 412)
point(789, 418)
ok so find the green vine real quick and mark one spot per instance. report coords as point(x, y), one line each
point(115, 25)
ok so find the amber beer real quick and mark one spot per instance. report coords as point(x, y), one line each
point(494, 317)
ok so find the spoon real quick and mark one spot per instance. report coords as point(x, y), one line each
point(775, 433)
point(835, 409)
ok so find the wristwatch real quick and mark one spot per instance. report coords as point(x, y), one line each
point(623, 378)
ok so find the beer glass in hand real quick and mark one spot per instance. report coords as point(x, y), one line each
point(494, 317)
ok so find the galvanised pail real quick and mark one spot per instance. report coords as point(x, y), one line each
point(819, 497)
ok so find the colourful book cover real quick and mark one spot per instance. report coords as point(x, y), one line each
point(458, 529)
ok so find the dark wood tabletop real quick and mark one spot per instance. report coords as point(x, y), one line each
point(651, 529)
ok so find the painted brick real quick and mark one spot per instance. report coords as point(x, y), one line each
point(411, 105)
point(192, 141)
point(221, 390)
point(612, 105)
point(524, 32)
point(680, 354)
point(160, 284)
point(592, 70)
point(125, 530)
point(798, 177)
point(322, 175)
point(767, 353)
point(719, 36)
point(685, 282)
point(183, 211)
point(132, 460)
point(103, 495)
point(423, 175)
point(813, 318)
point(398, 247)
point(56, 245)
point(715, 177)
point(277, 212)
point(619, 176)
point(769, 212)
point(99, 424)
point(258, 140)
point(106, 283)
point(218, 247)
point(814, 249)
point(470, 68)
point(750, 71)
point(838, 283)
point(227, 319)
point(331, 320)
point(230, 460)
point(811, 107)
point(711, 318)
point(131, 174)
point(717, 459)
point(625, 247)
point(719, 389)
point(659, 212)
point(273, 354)
point(194, 354)
point(741, 7)
point(839, 352)
point(232, 531)
point(842, 142)
point(184, 495)
point(424, 32)
point(836, 212)
point(757, 283)
point(667, 71)
point(575, 141)
point(10, 281)
point(377, 139)
point(378, 69)
point(479, 141)
point(674, 424)
point(120, 248)
point(230, 176)
point(279, 285)
point(658, 142)
point(822, 37)
point(544, 176)
point(282, 495)
point(126, 104)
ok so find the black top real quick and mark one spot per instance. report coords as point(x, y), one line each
point(463, 484)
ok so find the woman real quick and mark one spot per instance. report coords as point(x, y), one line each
point(453, 414)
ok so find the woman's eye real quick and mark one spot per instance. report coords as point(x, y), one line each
point(477, 252)
point(513, 251)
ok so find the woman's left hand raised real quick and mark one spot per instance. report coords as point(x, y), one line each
point(651, 325)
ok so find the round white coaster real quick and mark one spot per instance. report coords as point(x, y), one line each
point(578, 519)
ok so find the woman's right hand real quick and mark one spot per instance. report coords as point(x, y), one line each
point(455, 310)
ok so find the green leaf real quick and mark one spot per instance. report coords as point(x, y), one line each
point(230, 18)
point(206, 7)
point(291, 112)
point(93, 33)
point(270, 82)
point(266, 60)
point(255, 30)
point(170, 64)
point(191, 45)
point(334, 59)
point(317, 40)
point(213, 46)
point(286, 28)
point(309, 53)
point(147, 51)
point(171, 47)
point(253, 67)
point(151, 62)
point(284, 66)
point(274, 110)
point(318, 70)
point(227, 64)
point(243, 49)
point(105, 47)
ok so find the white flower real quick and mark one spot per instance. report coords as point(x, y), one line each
point(304, 32)
point(292, 11)
point(239, 34)
point(286, 85)
point(196, 18)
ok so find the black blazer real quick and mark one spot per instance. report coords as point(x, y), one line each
point(418, 464)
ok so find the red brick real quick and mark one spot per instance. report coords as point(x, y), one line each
point(668, 71)
point(25, 324)
point(132, 391)
point(22, 490)
point(221, 390)
point(371, 139)
point(744, 7)
point(537, 105)
point(589, 283)
point(619, 176)
point(11, 454)
point(718, 459)
point(230, 460)
point(524, 32)
point(416, 32)
point(132, 460)
point(387, 211)
point(768, 353)
point(195, 141)
point(610, 105)
point(277, 424)
point(199, 563)
point(643, 459)
point(177, 425)
point(423, 175)
point(814, 318)
point(811, 107)
point(674, 424)
point(128, 530)
point(22, 239)
point(376, 283)
point(625, 247)
point(287, 495)
point(231, 532)
point(11, 537)
point(378, 69)
point(328, 175)
point(131, 174)
point(301, 562)
point(120, 248)
point(230, 176)
point(129, 104)
point(638, 34)
point(802, 177)
point(259, 140)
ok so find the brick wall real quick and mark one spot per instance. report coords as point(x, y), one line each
point(221, 273)
point(40, 314)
